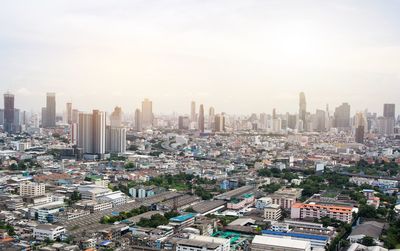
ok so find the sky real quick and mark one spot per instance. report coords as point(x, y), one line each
point(238, 56)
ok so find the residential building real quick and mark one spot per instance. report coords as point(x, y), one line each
point(48, 232)
point(31, 189)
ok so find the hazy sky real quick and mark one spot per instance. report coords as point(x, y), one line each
point(239, 56)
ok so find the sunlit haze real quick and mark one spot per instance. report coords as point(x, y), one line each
point(237, 56)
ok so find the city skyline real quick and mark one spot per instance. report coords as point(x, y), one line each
point(262, 53)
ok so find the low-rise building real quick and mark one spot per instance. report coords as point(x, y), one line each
point(263, 243)
point(50, 232)
point(272, 212)
point(317, 211)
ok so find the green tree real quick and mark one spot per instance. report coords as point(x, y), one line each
point(367, 241)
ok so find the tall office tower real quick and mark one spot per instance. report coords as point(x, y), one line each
point(302, 107)
point(274, 114)
point(359, 135)
point(183, 122)
point(17, 121)
point(69, 113)
point(327, 118)
point(24, 118)
point(342, 117)
point(147, 114)
point(320, 121)
point(118, 139)
point(9, 112)
point(211, 117)
point(99, 132)
point(85, 132)
point(201, 118)
point(73, 136)
point(219, 124)
point(138, 120)
point(1, 116)
point(263, 121)
point(385, 126)
point(116, 117)
point(193, 116)
point(44, 114)
point(389, 111)
point(292, 121)
point(360, 123)
point(75, 115)
point(50, 118)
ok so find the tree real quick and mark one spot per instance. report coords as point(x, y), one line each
point(367, 211)
point(368, 241)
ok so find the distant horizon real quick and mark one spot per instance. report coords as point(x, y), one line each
point(240, 57)
point(62, 108)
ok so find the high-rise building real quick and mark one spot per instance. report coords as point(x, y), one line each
point(360, 124)
point(211, 117)
point(69, 113)
point(302, 107)
point(17, 121)
point(92, 132)
point(1, 116)
point(85, 132)
point(193, 116)
point(99, 132)
point(50, 118)
point(389, 111)
point(219, 124)
point(138, 120)
point(183, 122)
point(359, 135)
point(116, 117)
point(292, 121)
point(385, 125)
point(75, 115)
point(147, 114)
point(342, 117)
point(320, 121)
point(9, 112)
point(201, 118)
point(117, 139)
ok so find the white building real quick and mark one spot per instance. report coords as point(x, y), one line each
point(44, 231)
point(272, 212)
point(262, 243)
point(263, 202)
point(203, 243)
point(31, 189)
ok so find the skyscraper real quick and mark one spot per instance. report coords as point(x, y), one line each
point(9, 112)
point(99, 132)
point(118, 140)
point(193, 111)
point(183, 122)
point(69, 113)
point(85, 132)
point(50, 118)
point(138, 120)
point(342, 116)
point(219, 124)
point(302, 107)
point(389, 111)
point(360, 123)
point(320, 121)
point(147, 114)
point(92, 132)
point(201, 119)
point(116, 117)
